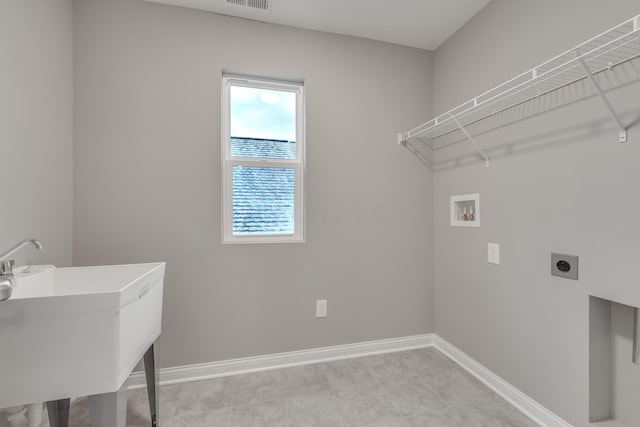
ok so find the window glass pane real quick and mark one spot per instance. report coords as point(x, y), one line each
point(262, 123)
point(263, 200)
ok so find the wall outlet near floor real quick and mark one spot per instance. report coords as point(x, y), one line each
point(493, 253)
point(321, 308)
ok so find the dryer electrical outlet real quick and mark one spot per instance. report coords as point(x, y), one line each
point(563, 265)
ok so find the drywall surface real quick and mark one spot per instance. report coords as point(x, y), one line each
point(36, 128)
point(148, 180)
point(600, 354)
point(625, 374)
point(559, 182)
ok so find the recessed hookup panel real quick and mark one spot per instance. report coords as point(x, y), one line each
point(563, 265)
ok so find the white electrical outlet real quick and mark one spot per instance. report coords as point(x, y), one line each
point(321, 308)
point(493, 253)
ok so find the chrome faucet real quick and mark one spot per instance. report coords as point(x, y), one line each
point(6, 268)
point(17, 247)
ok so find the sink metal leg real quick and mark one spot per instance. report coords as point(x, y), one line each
point(153, 381)
point(58, 411)
point(109, 409)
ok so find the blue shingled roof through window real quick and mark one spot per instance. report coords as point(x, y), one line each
point(256, 148)
point(263, 197)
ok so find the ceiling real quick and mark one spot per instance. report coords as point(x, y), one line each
point(423, 24)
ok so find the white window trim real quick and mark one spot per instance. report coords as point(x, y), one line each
point(228, 162)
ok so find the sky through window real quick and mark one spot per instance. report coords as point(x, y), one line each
point(263, 113)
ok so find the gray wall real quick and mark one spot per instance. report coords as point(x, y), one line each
point(147, 180)
point(558, 182)
point(36, 123)
point(625, 374)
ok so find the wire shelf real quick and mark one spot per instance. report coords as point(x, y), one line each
point(605, 51)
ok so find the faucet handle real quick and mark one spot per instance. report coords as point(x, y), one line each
point(6, 267)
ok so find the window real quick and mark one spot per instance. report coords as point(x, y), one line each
point(263, 160)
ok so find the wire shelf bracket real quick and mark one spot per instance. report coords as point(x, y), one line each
point(600, 54)
point(472, 139)
point(622, 130)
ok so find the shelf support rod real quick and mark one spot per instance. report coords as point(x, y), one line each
point(603, 97)
point(470, 138)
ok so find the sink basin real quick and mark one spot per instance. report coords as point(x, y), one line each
point(77, 331)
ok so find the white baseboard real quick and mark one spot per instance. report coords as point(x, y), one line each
point(515, 397)
point(282, 360)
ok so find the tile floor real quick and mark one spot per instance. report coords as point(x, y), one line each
point(416, 388)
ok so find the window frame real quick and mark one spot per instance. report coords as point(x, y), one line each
point(229, 162)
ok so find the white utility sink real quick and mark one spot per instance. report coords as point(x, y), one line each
point(79, 331)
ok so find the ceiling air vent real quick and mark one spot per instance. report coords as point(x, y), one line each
point(251, 4)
